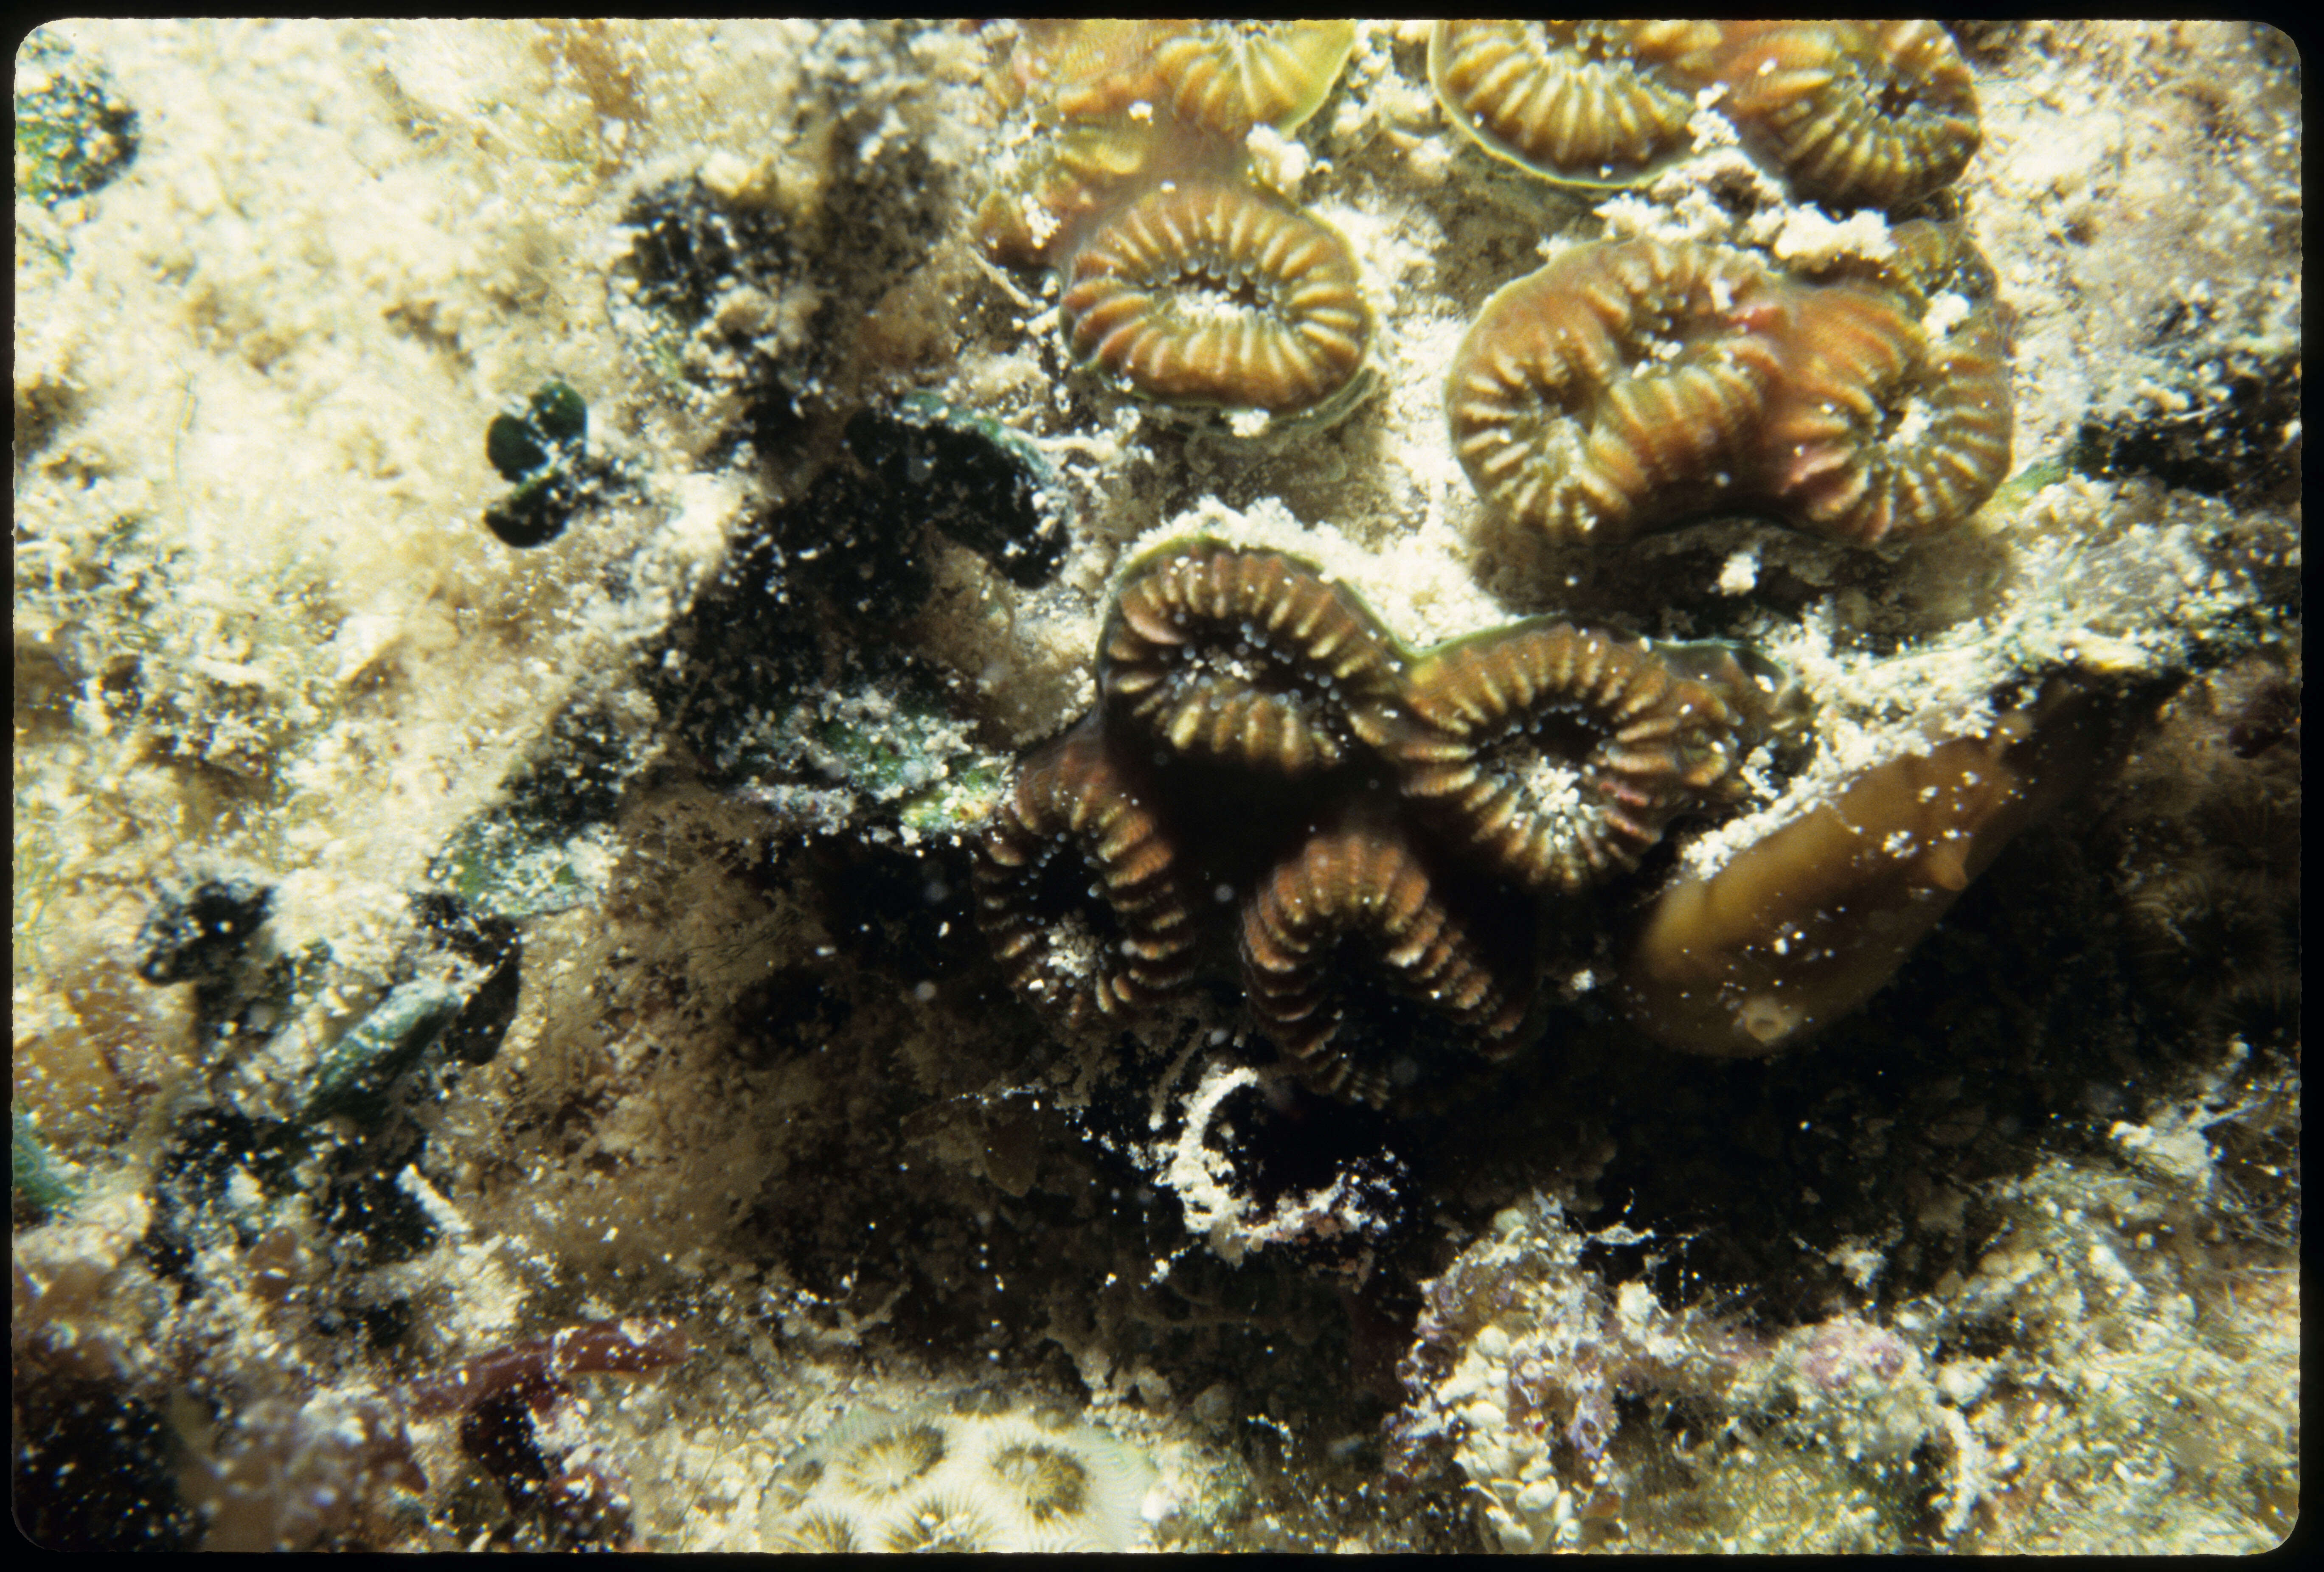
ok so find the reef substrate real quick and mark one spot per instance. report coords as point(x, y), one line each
point(544, 550)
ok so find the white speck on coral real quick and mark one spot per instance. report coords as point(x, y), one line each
point(1278, 159)
point(1946, 310)
point(1810, 238)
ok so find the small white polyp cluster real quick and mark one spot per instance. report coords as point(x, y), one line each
point(973, 1473)
point(1509, 1465)
point(1540, 1335)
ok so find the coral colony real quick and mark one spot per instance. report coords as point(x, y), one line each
point(1625, 386)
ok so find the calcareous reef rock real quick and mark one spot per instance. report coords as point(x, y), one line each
point(1145, 784)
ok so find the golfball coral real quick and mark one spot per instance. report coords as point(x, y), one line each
point(1217, 294)
point(1047, 1481)
point(971, 1474)
point(890, 1461)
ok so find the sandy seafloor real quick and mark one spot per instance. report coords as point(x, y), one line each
point(2011, 1264)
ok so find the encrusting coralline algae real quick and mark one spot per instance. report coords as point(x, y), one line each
point(539, 548)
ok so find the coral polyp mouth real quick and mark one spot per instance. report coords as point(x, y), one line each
point(1185, 279)
point(1895, 421)
point(1246, 658)
point(1629, 385)
point(1213, 294)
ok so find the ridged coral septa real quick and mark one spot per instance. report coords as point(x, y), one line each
point(1852, 114)
point(1556, 753)
point(1079, 887)
point(1185, 278)
point(1371, 821)
point(1629, 385)
point(1244, 656)
point(1359, 898)
point(1216, 294)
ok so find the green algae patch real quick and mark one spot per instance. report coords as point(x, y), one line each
point(503, 870)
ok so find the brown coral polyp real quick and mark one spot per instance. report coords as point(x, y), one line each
point(1584, 103)
point(1227, 76)
point(1616, 387)
point(1357, 894)
point(1886, 427)
point(1854, 114)
point(1081, 173)
point(1378, 834)
point(1632, 384)
point(1079, 888)
point(1766, 701)
point(1849, 113)
point(1559, 754)
point(1214, 294)
point(1091, 70)
point(1184, 278)
point(1246, 658)
point(1216, 78)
